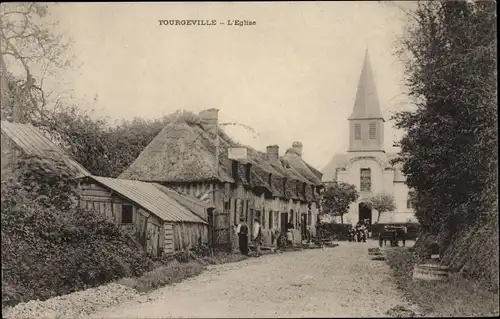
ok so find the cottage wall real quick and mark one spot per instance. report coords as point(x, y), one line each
point(100, 199)
point(186, 235)
point(232, 201)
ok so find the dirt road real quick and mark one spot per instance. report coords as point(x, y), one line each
point(331, 282)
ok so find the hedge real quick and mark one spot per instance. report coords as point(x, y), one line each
point(339, 230)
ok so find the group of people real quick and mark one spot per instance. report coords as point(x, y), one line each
point(359, 233)
point(243, 231)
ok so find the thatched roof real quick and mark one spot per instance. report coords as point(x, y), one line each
point(178, 153)
point(301, 167)
point(184, 151)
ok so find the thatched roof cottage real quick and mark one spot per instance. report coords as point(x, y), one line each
point(191, 155)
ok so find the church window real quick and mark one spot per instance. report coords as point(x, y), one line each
point(365, 180)
point(409, 204)
point(357, 131)
point(372, 131)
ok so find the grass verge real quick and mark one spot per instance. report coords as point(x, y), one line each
point(458, 297)
point(174, 271)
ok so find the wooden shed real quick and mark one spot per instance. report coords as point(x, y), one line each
point(154, 217)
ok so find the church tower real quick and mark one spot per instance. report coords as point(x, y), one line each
point(366, 123)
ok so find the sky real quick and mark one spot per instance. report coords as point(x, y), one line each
point(291, 77)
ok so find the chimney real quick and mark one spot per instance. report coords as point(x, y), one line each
point(273, 152)
point(210, 120)
point(297, 148)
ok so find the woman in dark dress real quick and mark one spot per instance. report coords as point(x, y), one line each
point(243, 236)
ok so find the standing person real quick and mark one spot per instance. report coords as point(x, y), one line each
point(242, 232)
point(403, 235)
point(289, 234)
point(386, 229)
point(257, 236)
point(362, 229)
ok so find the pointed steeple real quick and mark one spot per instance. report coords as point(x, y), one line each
point(366, 105)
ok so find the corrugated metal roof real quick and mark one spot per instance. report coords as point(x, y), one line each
point(33, 142)
point(148, 196)
point(194, 204)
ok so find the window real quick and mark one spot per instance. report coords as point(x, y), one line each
point(357, 131)
point(234, 170)
point(242, 208)
point(127, 214)
point(365, 180)
point(246, 209)
point(258, 215)
point(235, 211)
point(247, 172)
point(291, 217)
point(271, 219)
point(409, 204)
point(227, 207)
point(372, 131)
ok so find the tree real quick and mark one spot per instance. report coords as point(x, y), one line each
point(449, 150)
point(381, 203)
point(337, 197)
point(30, 50)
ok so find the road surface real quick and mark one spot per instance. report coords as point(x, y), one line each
point(331, 282)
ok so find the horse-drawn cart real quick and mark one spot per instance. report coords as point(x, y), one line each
point(393, 234)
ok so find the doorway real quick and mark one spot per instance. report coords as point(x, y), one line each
point(284, 222)
point(365, 212)
point(211, 228)
point(304, 226)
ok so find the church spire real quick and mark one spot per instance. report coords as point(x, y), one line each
point(366, 105)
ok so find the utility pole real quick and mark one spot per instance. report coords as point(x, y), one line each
point(217, 149)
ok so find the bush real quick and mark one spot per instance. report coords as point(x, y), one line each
point(457, 297)
point(474, 252)
point(50, 246)
point(166, 275)
point(331, 229)
point(172, 270)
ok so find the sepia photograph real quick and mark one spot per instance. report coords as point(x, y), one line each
point(300, 159)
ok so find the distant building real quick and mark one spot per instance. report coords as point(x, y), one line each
point(366, 164)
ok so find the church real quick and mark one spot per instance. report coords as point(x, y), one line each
point(365, 164)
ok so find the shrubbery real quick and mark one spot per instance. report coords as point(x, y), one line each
point(50, 246)
point(450, 148)
point(334, 229)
